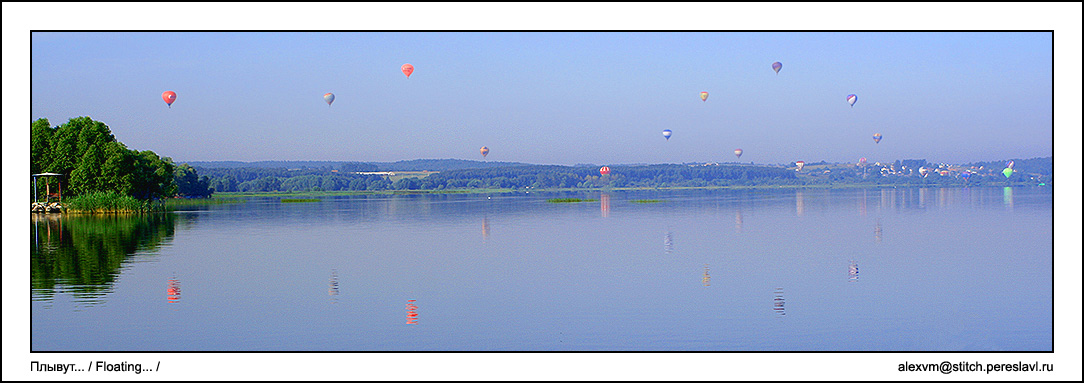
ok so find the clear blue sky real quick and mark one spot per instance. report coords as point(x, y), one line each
point(556, 97)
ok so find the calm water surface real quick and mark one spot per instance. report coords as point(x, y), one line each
point(923, 269)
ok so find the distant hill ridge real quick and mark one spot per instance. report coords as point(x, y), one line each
point(405, 165)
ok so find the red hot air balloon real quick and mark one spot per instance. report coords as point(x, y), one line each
point(604, 170)
point(738, 152)
point(408, 69)
point(801, 164)
point(169, 97)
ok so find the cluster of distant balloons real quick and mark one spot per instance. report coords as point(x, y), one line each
point(170, 96)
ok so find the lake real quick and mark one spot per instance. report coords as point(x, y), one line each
point(909, 269)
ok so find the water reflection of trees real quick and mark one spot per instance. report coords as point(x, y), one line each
point(83, 254)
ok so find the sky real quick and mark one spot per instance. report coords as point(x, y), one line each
point(556, 97)
point(552, 98)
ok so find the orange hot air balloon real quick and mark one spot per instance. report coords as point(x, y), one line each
point(604, 170)
point(169, 97)
point(485, 151)
point(408, 69)
point(703, 96)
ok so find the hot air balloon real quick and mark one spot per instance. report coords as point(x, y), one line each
point(1007, 172)
point(666, 133)
point(851, 99)
point(923, 171)
point(485, 151)
point(738, 152)
point(777, 66)
point(1011, 164)
point(169, 97)
point(862, 162)
point(604, 170)
point(801, 164)
point(877, 138)
point(329, 98)
point(965, 175)
point(408, 69)
point(703, 96)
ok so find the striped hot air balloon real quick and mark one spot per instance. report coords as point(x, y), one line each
point(604, 170)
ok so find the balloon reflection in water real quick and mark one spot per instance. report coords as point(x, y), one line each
point(862, 204)
point(853, 271)
point(1007, 197)
point(779, 301)
point(799, 202)
point(485, 228)
point(412, 313)
point(668, 242)
point(173, 291)
point(706, 280)
point(877, 234)
point(737, 220)
point(604, 204)
point(333, 286)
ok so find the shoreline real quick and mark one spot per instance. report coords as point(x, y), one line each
point(227, 195)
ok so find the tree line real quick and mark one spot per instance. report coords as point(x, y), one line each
point(515, 177)
point(90, 159)
point(262, 179)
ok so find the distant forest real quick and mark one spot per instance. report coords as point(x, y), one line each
point(90, 159)
point(464, 174)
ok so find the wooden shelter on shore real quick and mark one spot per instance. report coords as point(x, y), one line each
point(48, 206)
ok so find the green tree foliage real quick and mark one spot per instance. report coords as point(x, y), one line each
point(91, 158)
point(41, 136)
point(190, 184)
point(350, 167)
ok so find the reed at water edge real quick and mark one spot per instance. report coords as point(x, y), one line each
point(110, 202)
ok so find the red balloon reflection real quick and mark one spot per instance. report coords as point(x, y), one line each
point(412, 313)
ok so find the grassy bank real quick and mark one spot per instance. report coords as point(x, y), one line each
point(110, 202)
point(228, 195)
point(185, 202)
point(218, 195)
point(570, 200)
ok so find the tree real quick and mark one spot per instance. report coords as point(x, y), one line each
point(190, 184)
point(87, 175)
point(153, 176)
point(87, 152)
point(40, 154)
